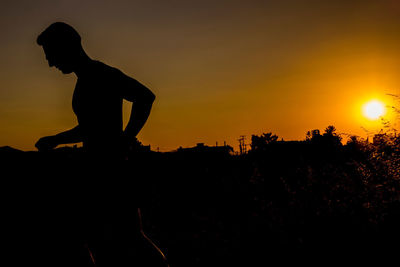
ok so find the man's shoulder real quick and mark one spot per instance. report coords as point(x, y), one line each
point(99, 67)
point(103, 71)
point(101, 75)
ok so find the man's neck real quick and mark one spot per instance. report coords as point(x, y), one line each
point(82, 65)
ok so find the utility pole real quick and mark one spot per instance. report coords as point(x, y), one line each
point(242, 145)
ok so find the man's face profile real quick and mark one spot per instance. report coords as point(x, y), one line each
point(59, 58)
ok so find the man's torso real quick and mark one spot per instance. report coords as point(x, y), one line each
point(97, 103)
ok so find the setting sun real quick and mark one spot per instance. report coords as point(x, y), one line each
point(373, 109)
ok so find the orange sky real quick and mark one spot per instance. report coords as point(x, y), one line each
point(220, 69)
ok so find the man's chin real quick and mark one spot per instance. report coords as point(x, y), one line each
point(65, 71)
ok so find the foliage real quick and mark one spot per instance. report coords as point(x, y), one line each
point(261, 142)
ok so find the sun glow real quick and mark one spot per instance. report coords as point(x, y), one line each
point(373, 109)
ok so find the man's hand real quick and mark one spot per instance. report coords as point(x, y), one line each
point(126, 141)
point(46, 143)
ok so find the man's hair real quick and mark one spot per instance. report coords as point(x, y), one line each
point(60, 34)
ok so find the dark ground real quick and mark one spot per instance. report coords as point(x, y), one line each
point(205, 208)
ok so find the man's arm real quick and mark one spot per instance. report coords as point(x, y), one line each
point(139, 114)
point(67, 137)
point(142, 99)
point(70, 136)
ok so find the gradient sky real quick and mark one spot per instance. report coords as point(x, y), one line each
point(220, 69)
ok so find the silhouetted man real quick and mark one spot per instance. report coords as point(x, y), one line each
point(98, 96)
point(97, 103)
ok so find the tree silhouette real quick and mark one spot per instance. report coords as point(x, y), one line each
point(260, 143)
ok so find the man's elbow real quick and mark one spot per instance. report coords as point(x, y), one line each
point(151, 97)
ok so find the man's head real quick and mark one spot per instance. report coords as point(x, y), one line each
point(62, 45)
